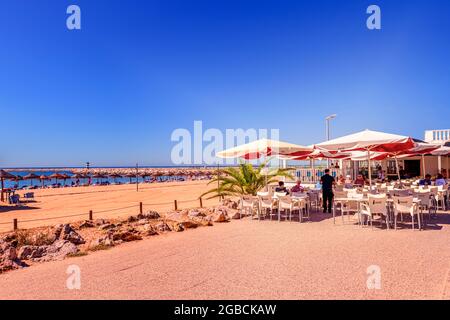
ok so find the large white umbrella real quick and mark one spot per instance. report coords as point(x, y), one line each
point(368, 141)
point(264, 147)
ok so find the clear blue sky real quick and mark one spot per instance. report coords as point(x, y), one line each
point(113, 92)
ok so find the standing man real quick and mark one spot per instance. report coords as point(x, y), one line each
point(327, 182)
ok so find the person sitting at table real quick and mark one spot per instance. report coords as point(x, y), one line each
point(297, 188)
point(360, 181)
point(426, 181)
point(281, 188)
point(348, 183)
point(341, 180)
point(440, 181)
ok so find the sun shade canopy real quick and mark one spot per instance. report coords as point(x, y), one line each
point(368, 140)
point(264, 147)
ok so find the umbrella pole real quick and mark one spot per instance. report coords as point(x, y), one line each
point(312, 168)
point(423, 166)
point(397, 168)
point(370, 170)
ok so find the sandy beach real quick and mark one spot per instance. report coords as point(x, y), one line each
point(105, 202)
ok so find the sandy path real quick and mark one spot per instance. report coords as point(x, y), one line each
point(51, 203)
point(253, 260)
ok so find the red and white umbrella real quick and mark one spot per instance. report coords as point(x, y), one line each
point(368, 141)
point(264, 147)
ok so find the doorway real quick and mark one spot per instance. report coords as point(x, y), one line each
point(412, 168)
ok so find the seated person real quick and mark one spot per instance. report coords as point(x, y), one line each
point(297, 188)
point(341, 180)
point(281, 188)
point(348, 182)
point(360, 181)
point(426, 181)
point(440, 181)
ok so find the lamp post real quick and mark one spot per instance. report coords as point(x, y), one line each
point(327, 126)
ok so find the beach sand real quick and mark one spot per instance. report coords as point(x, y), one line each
point(104, 201)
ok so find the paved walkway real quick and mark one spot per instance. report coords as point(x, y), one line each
point(253, 260)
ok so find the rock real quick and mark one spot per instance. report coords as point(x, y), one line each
point(231, 204)
point(7, 251)
point(31, 252)
point(193, 213)
point(184, 218)
point(10, 237)
point(142, 222)
point(86, 224)
point(234, 214)
point(66, 232)
point(132, 219)
point(99, 222)
point(8, 257)
point(149, 215)
point(126, 235)
point(162, 227)
point(177, 227)
point(107, 226)
point(58, 250)
point(177, 216)
point(189, 224)
point(106, 240)
point(220, 214)
point(147, 230)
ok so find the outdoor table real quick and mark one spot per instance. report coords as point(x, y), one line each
point(298, 200)
point(347, 199)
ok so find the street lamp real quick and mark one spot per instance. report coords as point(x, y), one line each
point(327, 124)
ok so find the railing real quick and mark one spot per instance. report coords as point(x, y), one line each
point(89, 215)
point(314, 175)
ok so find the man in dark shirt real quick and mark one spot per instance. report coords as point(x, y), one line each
point(327, 182)
point(281, 188)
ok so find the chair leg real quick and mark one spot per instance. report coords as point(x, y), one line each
point(412, 217)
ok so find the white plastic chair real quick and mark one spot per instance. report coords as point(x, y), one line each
point(286, 203)
point(406, 205)
point(248, 204)
point(426, 203)
point(376, 206)
point(266, 202)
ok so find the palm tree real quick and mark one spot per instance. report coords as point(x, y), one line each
point(244, 180)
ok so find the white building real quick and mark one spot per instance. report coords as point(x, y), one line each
point(437, 136)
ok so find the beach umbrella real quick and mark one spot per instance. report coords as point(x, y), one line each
point(99, 176)
point(264, 147)
point(114, 176)
point(31, 177)
point(43, 178)
point(368, 141)
point(130, 175)
point(56, 176)
point(4, 176)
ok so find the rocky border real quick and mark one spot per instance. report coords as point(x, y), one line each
point(26, 247)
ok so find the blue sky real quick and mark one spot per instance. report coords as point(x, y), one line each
point(113, 92)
